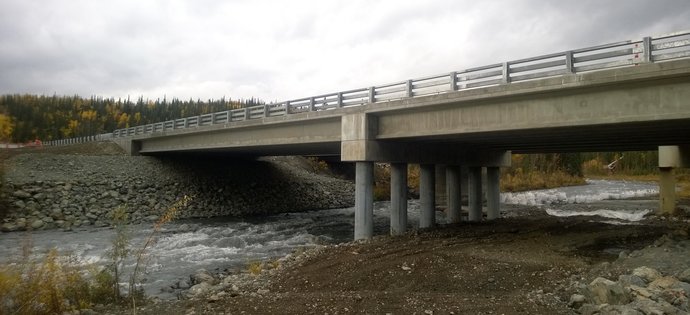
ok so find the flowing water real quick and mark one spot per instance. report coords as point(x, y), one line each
point(182, 247)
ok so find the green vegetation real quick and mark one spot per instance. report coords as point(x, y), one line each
point(28, 117)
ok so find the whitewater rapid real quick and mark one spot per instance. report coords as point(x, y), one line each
point(224, 245)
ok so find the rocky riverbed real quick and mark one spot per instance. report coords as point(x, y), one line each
point(51, 189)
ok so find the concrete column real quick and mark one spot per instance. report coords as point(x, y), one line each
point(475, 194)
point(441, 188)
point(667, 191)
point(364, 200)
point(493, 193)
point(454, 193)
point(427, 215)
point(670, 157)
point(398, 198)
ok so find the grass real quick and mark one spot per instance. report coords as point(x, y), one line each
point(517, 180)
point(58, 283)
point(255, 268)
point(53, 285)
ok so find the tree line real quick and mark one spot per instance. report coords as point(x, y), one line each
point(28, 117)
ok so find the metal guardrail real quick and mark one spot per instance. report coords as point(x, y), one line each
point(614, 55)
point(100, 137)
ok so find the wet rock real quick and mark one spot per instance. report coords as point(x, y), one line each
point(183, 284)
point(646, 273)
point(605, 291)
point(203, 276)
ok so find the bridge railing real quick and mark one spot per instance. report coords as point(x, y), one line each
point(76, 140)
point(612, 55)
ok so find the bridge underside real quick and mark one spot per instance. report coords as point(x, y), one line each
point(638, 136)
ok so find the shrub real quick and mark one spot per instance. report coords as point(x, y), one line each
point(255, 268)
point(52, 285)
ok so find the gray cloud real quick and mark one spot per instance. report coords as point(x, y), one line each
point(287, 49)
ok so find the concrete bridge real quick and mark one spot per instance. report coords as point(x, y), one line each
point(630, 95)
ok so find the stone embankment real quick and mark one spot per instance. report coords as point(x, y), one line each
point(651, 280)
point(44, 190)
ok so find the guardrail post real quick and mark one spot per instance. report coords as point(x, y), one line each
point(340, 99)
point(186, 123)
point(372, 94)
point(453, 81)
point(569, 67)
point(267, 111)
point(506, 73)
point(643, 51)
point(408, 88)
point(247, 113)
point(287, 106)
point(312, 104)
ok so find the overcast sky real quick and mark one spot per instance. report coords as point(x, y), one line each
point(278, 50)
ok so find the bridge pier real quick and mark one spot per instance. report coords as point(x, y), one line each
point(398, 198)
point(474, 194)
point(427, 199)
point(364, 200)
point(454, 193)
point(493, 192)
point(670, 157)
point(441, 194)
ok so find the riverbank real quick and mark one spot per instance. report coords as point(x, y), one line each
point(529, 263)
point(68, 187)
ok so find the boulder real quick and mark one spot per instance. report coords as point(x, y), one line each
point(647, 306)
point(646, 273)
point(684, 276)
point(203, 276)
point(577, 300)
point(631, 280)
point(663, 283)
point(8, 227)
point(605, 291)
point(37, 224)
point(200, 289)
point(21, 194)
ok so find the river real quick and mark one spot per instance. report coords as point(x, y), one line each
point(224, 245)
